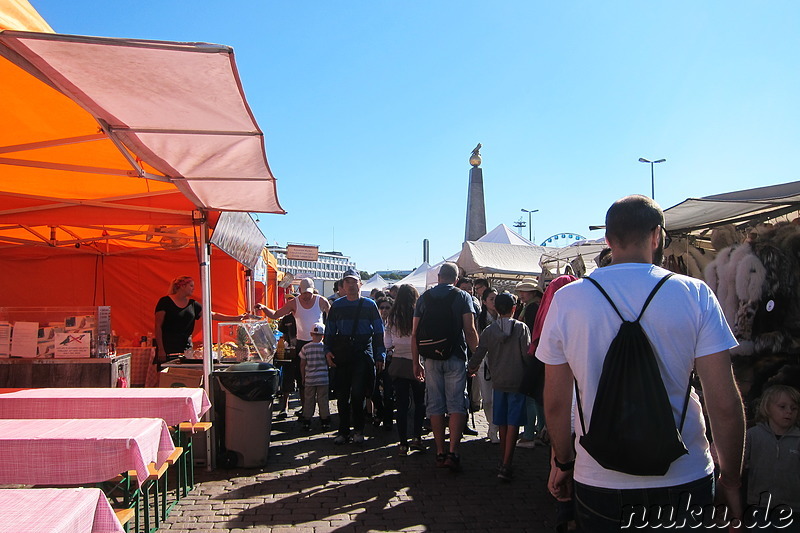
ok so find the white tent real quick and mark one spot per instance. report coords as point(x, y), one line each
point(555, 260)
point(417, 279)
point(502, 234)
point(375, 282)
point(510, 261)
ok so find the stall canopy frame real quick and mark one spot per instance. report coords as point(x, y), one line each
point(748, 206)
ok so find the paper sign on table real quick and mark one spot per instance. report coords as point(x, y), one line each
point(25, 339)
point(73, 344)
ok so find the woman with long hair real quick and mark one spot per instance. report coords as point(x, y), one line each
point(406, 385)
point(487, 315)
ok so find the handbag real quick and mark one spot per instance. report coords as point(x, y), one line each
point(344, 346)
point(401, 368)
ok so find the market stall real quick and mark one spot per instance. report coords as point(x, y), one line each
point(746, 246)
point(111, 185)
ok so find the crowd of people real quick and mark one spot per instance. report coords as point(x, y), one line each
point(533, 360)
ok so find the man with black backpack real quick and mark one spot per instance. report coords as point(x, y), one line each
point(443, 328)
point(626, 342)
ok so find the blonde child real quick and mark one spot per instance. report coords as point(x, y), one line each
point(314, 369)
point(772, 453)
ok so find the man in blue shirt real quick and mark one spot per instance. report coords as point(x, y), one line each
point(354, 347)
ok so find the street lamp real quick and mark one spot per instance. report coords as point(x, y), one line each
point(652, 175)
point(529, 220)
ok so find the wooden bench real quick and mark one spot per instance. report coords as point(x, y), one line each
point(185, 432)
point(124, 516)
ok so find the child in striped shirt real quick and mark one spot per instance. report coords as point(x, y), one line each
point(314, 369)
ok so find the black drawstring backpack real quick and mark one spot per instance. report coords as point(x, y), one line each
point(632, 429)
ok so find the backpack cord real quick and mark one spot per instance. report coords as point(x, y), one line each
point(646, 303)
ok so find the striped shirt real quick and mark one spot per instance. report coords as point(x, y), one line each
point(316, 365)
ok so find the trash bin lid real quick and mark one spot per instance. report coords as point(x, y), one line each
point(250, 366)
point(252, 381)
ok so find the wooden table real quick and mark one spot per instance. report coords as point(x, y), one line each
point(172, 405)
point(80, 451)
point(56, 511)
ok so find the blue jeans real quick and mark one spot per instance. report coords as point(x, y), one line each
point(446, 386)
point(600, 510)
point(534, 422)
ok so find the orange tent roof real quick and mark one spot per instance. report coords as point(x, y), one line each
point(146, 142)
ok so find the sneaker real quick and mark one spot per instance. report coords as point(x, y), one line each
point(416, 444)
point(526, 443)
point(357, 438)
point(282, 415)
point(307, 425)
point(453, 462)
point(506, 473)
point(325, 424)
point(441, 459)
point(494, 439)
point(340, 439)
point(469, 431)
point(402, 450)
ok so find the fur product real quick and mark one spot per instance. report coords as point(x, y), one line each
point(750, 276)
point(702, 257)
point(743, 328)
point(774, 326)
point(724, 236)
point(726, 283)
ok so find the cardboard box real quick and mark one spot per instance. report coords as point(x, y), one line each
point(180, 377)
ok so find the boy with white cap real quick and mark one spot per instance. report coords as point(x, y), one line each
point(314, 369)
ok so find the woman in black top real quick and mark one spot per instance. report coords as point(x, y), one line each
point(176, 314)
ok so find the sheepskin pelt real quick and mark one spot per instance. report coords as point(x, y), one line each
point(683, 257)
point(724, 236)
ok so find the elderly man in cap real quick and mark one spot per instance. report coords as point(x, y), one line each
point(307, 309)
point(354, 347)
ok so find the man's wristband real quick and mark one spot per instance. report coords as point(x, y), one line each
point(564, 467)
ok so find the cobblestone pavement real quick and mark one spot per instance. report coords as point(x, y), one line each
point(311, 485)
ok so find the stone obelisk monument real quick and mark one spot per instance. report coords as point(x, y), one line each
point(476, 209)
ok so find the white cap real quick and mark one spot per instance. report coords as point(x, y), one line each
point(318, 328)
point(306, 285)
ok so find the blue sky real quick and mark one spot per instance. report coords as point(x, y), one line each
point(370, 108)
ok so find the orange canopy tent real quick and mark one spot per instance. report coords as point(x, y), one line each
point(116, 158)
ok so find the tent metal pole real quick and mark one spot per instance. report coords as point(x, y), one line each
point(205, 283)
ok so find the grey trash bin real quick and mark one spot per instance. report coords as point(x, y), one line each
point(249, 390)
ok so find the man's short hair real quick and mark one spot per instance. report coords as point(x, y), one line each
point(630, 220)
point(448, 272)
point(481, 281)
point(462, 280)
point(504, 303)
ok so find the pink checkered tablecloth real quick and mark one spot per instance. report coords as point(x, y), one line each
point(56, 511)
point(80, 451)
point(174, 405)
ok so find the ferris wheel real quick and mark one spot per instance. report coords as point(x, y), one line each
point(562, 239)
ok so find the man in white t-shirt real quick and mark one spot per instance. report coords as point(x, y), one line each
point(687, 329)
